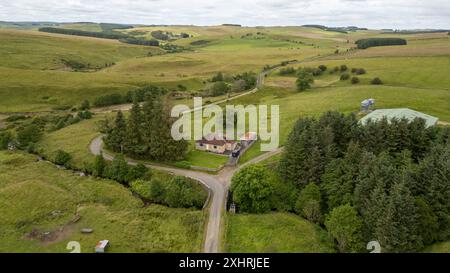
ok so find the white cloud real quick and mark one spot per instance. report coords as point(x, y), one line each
point(364, 13)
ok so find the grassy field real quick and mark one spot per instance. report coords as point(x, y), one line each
point(274, 232)
point(68, 203)
point(73, 139)
point(35, 78)
point(443, 247)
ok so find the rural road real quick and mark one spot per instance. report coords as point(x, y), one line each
point(218, 185)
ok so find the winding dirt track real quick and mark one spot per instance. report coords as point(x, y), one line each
point(218, 185)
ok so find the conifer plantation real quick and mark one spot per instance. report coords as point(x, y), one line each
point(146, 133)
point(386, 181)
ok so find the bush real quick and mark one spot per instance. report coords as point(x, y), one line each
point(345, 77)
point(343, 68)
point(16, 117)
point(323, 68)
point(5, 139)
point(355, 80)
point(28, 135)
point(287, 71)
point(309, 202)
point(376, 81)
point(85, 105)
point(360, 71)
point(84, 115)
point(219, 88)
point(62, 158)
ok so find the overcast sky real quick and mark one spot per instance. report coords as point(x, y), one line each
point(399, 14)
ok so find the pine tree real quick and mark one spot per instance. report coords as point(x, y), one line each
point(99, 166)
point(433, 173)
point(116, 138)
point(157, 138)
point(118, 169)
point(397, 230)
point(133, 142)
point(339, 178)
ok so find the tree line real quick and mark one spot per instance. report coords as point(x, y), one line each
point(372, 42)
point(104, 35)
point(387, 181)
point(139, 94)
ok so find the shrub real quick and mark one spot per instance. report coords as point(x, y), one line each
point(219, 88)
point(345, 77)
point(355, 80)
point(5, 139)
point(343, 68)
point(28, 135)
point(16, 117)
point(62, 157)
point(323, 67)
point(376, 81)
point(287, 71)
point(309, 202)
point(360, 71)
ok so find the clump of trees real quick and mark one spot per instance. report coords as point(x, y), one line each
point(222, 84)
point(161, 35)
point(176, 192)
point(386, 181)
point(304, 79)
point(146, 133)
point(119, 170)
point(372, 42)
point(251, 189)
point(287, 71)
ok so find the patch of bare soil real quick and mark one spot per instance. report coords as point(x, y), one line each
point(49, 237)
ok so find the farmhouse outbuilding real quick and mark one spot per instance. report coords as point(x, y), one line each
point(215, 145)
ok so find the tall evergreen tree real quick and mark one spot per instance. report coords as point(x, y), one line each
point(115, 140)
point(397, 230)
point(133, 142)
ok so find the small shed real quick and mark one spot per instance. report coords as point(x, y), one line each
point(101, 246)
point(399, 113)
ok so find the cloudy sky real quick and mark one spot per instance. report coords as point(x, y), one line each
point(399, 14)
